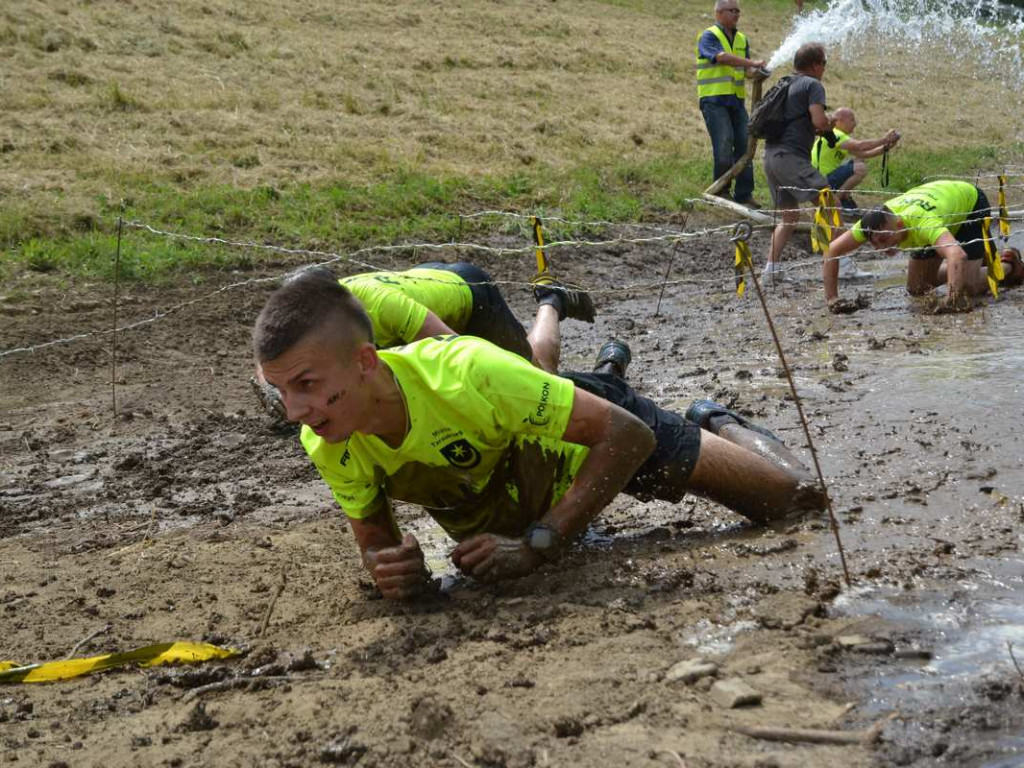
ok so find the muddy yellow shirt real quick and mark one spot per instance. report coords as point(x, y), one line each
point(928, 211)
point(483, 451)
point(397, 302)
point(826, 159)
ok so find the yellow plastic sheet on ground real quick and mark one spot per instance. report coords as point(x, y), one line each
point(150, 656)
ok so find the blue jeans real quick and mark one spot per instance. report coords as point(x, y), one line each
point(727, 127)
point(840, 175)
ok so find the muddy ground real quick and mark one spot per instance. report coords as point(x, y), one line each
point(182, 518)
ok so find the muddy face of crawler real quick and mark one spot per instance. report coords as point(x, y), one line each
point(323, 387)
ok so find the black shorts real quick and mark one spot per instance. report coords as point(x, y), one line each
point(663, 475)
point(970, 235)
point(491, 318)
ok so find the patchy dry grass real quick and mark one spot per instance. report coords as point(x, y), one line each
point(363, 112)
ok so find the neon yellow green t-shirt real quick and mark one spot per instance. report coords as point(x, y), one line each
point(397, 302)
point(483, 451)
point(928, 211)
point(827, 159)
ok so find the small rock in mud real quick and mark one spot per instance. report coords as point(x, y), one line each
point(734, 693)
point(567, 727)
point(342, 751)
point(691, 670)
point(840, 362)
point(303, 663)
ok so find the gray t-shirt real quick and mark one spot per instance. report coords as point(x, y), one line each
point(799, 134)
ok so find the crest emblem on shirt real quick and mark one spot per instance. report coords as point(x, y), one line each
point(461, 454)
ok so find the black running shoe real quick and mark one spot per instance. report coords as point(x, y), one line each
point(613, 357)
point(568, 301)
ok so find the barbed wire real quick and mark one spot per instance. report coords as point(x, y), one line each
point(594, 224)
point(327, 258)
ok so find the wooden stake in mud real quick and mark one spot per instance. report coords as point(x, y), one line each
point(743, 232)
point(113, 330)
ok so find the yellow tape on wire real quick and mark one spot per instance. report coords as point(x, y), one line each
point(538, 238)
point(150, 656)
point(826, 219)
point(992, 261)
point(1004, 219)
point(742, 265)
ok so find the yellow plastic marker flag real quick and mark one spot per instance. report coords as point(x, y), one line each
point(992, 260)
point(538, 238)
point(1004, 218)
point(743, 263)
point(150, 656)
point(826, 219)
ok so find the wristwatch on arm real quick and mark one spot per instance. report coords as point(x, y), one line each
point(545, 541)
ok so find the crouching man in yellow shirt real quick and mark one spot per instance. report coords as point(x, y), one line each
point(942, 224)
point(512, 461)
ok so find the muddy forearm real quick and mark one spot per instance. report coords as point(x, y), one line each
point(605, 472)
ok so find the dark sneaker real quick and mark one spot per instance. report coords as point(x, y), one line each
point(270, 399)
point(613, 357)
point(711, 416)
point(568, 301)
point(750, 203)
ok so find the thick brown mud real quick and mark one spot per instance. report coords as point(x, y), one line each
point(182, 517)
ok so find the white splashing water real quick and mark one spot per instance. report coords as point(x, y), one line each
point(983, 34)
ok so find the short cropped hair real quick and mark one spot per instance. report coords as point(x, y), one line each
point(306, 303)
point(807, 55)
point(719, 4)
point(876, 220)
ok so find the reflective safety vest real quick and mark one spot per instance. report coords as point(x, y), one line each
point(720, 79)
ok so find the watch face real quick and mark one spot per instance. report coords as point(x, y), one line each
point(542, 538)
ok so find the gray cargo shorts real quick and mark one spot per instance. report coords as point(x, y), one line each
point(786, 168)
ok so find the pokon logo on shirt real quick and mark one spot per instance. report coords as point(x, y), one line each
point(540, 418)
point(461, 454)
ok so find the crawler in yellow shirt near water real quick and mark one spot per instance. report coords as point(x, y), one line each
point(941, 223)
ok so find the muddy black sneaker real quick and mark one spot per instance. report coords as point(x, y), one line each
point(613, 357)
point(269, 399)
point(567, 301)
point(712, 416)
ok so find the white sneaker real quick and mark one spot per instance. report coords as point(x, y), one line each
point(848, 270)
point(774, 273)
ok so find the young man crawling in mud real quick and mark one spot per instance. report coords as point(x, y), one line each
point(942, 223)
point(512, 461)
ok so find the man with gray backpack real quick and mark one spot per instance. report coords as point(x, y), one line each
point(789, 119)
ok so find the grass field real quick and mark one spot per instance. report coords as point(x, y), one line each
point(332, 125)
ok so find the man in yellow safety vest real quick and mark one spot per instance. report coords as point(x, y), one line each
point(722, 64)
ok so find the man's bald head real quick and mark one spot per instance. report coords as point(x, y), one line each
point(846, 120)
point(309, 303)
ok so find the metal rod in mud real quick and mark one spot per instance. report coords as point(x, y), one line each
point(113, 329)
point(803, 419)
point(671, 260)
point(664, 281)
